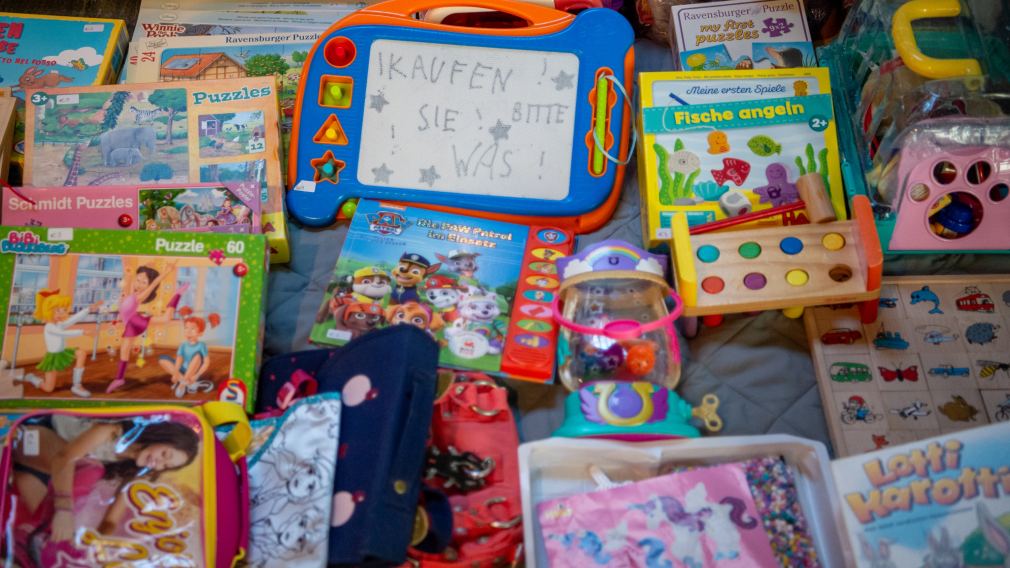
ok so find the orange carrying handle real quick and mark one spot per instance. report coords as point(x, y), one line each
point(539, 18)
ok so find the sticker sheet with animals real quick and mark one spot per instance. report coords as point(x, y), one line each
point(716, 144)
point(185, 132)
point(704, 517)
point(482, 288)
point(936, 503)
point(936, 360)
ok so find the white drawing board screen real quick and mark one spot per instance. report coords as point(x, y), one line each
point(474, 120)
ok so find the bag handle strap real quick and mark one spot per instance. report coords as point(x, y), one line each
point(219, 413)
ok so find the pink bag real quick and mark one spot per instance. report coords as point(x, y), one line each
point(132, 485)
point(694, 518)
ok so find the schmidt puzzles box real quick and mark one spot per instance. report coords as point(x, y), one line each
point(171, 317)
point(221, 131)
point(217, 208)
point(716, 144)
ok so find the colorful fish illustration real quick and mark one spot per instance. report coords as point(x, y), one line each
point(733, 169)
point(684, 162)
point(718, 143)
point(764, 146)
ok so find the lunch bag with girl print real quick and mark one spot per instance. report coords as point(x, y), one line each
point(125, 486)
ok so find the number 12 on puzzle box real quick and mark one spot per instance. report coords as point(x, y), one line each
point(518, 123)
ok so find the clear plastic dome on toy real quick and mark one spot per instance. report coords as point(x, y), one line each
point(616, 314)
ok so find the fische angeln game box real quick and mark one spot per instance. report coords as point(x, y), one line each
point(96, 315)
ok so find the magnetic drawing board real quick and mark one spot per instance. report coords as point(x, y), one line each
point(509, 124)
point(463, 119)
point(937, 360)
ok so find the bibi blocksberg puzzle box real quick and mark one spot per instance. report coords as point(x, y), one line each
point(163, 133)
point(95, 315)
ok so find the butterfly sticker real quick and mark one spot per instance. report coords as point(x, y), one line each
point(910, 374)
point(989, 368)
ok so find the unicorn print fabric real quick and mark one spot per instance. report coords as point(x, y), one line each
point(291, 483)
point(688, 519)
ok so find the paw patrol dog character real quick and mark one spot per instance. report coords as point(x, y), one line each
point(370, 284)
point(444, 294)
point(479, 312)
point(411, 271)
point(463, 263)
point(415, 314)
point(359, 318)
point(339, 296)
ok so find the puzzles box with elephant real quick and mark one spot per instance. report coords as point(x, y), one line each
point(481, 288)
point(220, 131)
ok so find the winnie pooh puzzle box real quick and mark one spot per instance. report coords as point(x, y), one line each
point(53, 51)
point(483, 289)
point(716, 144)
point(939, 502)
point(96, 315)
point(221, 131)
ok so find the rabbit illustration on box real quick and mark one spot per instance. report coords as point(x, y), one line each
point(941, 553)
point(996, 535)
point(879, 556)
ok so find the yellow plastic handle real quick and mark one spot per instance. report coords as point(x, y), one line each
point(908, 49)
point(218, 413)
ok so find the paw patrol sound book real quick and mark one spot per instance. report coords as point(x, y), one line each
point(481, 288)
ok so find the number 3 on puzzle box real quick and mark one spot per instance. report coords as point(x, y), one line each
point(515, 124)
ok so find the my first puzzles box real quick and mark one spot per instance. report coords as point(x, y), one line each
point(94, 315)
point(39, 51)
point(187, 132)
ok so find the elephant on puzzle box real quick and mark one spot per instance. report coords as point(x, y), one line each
point(114, 142)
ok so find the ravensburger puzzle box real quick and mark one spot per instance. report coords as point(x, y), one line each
point(164, 133)
point(95, 315)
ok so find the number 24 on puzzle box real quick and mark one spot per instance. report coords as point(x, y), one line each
point(518, 123)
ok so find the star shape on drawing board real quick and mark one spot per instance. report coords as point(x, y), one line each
point(563, 80)
point(382, 173)
point(500, 131)
point(378, 101)
point(429, 175)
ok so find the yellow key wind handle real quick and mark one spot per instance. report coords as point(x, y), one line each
point(707, 412)
point(908, 49)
